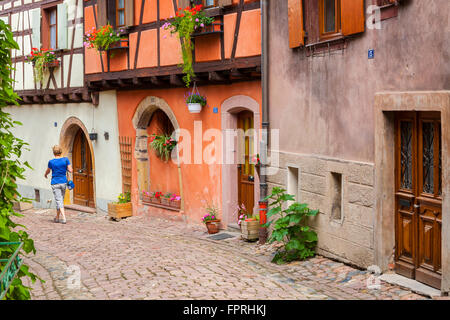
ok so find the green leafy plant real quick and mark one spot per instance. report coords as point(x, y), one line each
point(124, 197)
point(185, 23)
point(163, 145)
point(196, 98)
point(40, 58)
point(299, 241)
point(103, 38)
point(11, 169)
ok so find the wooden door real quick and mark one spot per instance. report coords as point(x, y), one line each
point(246, 170)
point(83, 193)
point(418, 197)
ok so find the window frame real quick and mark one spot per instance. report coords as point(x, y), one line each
point(46, 25)
point(117, 11)
point(323, 35)
point(216, 4)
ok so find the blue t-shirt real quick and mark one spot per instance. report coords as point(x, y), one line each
point(59, 169)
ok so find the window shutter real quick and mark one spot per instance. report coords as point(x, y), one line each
point(36, 28)
point(352, 16)
point(295, 16)
point(183, 4)
point(129, 12)
point(102, 10)
point(62, 26)
point(224, 3)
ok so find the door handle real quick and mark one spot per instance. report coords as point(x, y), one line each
point(251, 178)
point(80, 171)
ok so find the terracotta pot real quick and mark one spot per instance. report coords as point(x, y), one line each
point(213, 226)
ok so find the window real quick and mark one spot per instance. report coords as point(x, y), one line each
point(120, 13)
point(329, 18)
point(50, 28)
point(336, 196)
point(209, 3)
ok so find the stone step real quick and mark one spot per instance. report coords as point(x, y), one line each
point(77, 207)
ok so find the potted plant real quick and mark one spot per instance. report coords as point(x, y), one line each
point(163, 145)
point(122, 207)
point(175, 201)
point(165, 200)
point(210, 219)
point(185, 23)
point(104, 38)
point(155, 197)
point(42, 60)
point(250, 228)
point(195, 102)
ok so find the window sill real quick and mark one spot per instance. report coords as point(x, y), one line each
point(213, 12)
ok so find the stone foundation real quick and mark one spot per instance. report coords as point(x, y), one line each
point(345, 188)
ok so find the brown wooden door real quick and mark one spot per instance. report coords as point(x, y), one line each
point(418, 197)
point(246, 170)
point(83, 193)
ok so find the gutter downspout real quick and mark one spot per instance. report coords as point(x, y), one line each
point(264, 144)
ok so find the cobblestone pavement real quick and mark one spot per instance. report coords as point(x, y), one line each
point(150, 258)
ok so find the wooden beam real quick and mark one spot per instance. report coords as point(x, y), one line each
point(49, 98)
point(60, 97)
point(136, 81)
point(157, 81)
point(95, 97)
point(217, 77)
point(37, 99)
point(75, 97)
point(175, 80)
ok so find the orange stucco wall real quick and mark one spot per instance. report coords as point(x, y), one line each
point(207, 48)
point(200, 182)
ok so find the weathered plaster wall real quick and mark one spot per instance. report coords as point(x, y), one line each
point(332, 96)
point(40, 132)
point(200, 181)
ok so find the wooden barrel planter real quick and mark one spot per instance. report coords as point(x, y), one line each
point(250, 230)
point(213, 226)
point(120, 210)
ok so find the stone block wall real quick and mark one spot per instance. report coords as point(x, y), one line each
point(348, 234)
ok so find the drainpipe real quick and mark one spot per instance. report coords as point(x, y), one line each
point(265, 120)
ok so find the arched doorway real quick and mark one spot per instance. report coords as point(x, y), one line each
point(146, 112)
point(78, 148)
point(240, 183)
point(83, 176)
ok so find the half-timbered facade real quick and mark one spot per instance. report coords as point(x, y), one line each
point(59, 109)
point(359, 90)
point(145, 75)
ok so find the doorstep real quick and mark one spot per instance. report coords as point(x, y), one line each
point(233, 227)
point(77, 207)
point(413, 285)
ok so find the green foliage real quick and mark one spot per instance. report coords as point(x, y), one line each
point(11, 169)
point(299, 241)
point(185, 23)
point(196, 98)
point(124, 197)
point(40, 58)
point(163, 145)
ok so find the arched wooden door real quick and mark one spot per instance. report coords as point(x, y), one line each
point(246, 170)
point(83, 193)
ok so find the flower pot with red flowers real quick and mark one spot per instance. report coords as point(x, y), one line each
point(42, 60)
point(155, 197)
point(210, 219)
point(104, 38)
point(163, 145)
point(175, 201)
point(184, 24)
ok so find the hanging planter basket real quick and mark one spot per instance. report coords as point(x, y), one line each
point(195, 101)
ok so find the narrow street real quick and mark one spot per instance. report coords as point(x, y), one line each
point(149, 258)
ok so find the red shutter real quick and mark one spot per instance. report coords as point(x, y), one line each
point(352, 16)
point(295, 16)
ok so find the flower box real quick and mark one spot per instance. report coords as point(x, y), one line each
point(146, 198)
point(250, 229)
point(52, 64)
point(120, 210)
point(121, 44)
point(165, 201)
point(175, 204)
point(214, 28)
point(155, 200)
